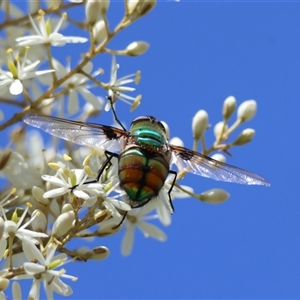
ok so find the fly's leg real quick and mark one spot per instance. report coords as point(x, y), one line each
point(123, 218)
point(145, 202)
point(112, 99)
point(109, 155)
point(170, 190)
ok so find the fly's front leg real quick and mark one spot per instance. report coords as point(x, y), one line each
point(109, 155)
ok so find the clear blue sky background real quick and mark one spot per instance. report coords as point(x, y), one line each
point(248, 247)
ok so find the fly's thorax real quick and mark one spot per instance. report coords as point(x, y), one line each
point(148, 133)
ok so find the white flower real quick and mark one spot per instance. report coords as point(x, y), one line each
point(137, 218)
point(45, 271)
point(16, 168)
point(117, 87)
point(113, 204)
point(13, 78)
point(163, 206)
point(66, 185)
point(45, 36)
point(111, 184)
point(76, 84)
point(13, 228)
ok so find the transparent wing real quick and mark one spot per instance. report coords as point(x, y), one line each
point(86, 134)
point(203, 165)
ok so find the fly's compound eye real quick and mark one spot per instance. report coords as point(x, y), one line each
point(151, 119)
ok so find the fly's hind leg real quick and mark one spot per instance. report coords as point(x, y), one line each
point(172, 185)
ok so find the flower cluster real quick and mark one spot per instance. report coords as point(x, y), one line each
point(52, 198)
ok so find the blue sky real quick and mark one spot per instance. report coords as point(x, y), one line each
point(247, 247)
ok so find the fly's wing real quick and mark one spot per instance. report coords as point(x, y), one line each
point(203, 165)
point(86, 134)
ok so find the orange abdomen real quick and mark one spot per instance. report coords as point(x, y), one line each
point(142, 173)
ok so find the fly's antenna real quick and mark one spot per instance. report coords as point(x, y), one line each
point(112, 100)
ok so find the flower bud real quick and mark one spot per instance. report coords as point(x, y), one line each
point(40, 221)
point(199, 124)
point(102, 215)
point(219, 157)
point(100, 253)
point(247, 110)
point(37, 194)
point(84, 252)
point(137, 48)
point(214, 196)
point(109, 228)
point(67, 207)
point(141, 7)
point(229, 106)
point(218, 129)
point(177, 141)
point(245, 137)
point(94, 9)
point(99, 31)
point(3, 283)
point(63, 223)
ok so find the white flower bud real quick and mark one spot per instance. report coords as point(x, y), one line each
point(214, 196)
point(137, 48)
point(167, 128)
point(247, 110)
point(142, 7)
point(40, 221)
point(131, 5)
point(102, 215)
point(84, 252)
point(100, 253)
point(99, 31)
point(177, 141)
point(3, 283)
point(67, 207)
point(229, 106)
point(199, 124)
point(218, 129)
point(219, 157)
point(109, 228)
point(94, 9)
point(37, 194)
point(63, 223)
point(245, 137)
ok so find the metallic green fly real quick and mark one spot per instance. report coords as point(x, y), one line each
point(145, 155)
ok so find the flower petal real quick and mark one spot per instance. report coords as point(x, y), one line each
point(128, 239)
point(152, 231)
point(16, 87)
